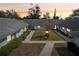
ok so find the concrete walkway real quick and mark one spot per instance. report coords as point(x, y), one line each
point(47, 50)
point(28, 38)
point(44, 41)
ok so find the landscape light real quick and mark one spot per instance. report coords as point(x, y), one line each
point(46, 34)
point(46, 31)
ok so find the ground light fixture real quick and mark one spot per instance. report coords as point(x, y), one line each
point(46, 34)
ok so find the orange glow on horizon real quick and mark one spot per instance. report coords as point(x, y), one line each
point(22, 14)
point(64, 13)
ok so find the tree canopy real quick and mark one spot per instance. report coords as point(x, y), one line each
point(75, 14)
point(34, 12)
point(9, 14)
point(46, 16)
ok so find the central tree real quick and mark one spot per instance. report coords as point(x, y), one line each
point(34, 12)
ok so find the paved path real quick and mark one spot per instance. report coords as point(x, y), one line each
point(43, 41)
point(28, 38)
point(34, 42)
point(47, 50)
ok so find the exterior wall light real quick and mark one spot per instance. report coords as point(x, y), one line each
point(63, 28)
point(68, 29)
point(38, 26)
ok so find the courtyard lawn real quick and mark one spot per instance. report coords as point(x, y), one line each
point(28, 49)
point(39, 36)
point(61, 50)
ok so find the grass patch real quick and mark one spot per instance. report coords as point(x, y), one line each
point(61, 50)
point(60, 45)
point(28, 49)
point(5, 50)
point(39, 36)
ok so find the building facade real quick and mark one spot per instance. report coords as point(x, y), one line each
point(11, 29)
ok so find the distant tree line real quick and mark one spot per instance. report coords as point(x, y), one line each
point(9, 14)
point(74, 15)
point(34, 12)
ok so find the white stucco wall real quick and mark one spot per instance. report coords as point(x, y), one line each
point(8, 37)
point(17, 34)
point(55, 27)
point(13, 37)
point(22, 31)
point(25, 29)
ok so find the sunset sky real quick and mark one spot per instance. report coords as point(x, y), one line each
point(63, 9)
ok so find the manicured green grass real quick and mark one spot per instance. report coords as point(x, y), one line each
point(61, 50)
point(28, 49)
point(39, 36)
point(5, 50)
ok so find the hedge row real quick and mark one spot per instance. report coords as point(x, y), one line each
point(6, 50)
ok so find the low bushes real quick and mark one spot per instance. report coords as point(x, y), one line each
point(5, 50)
